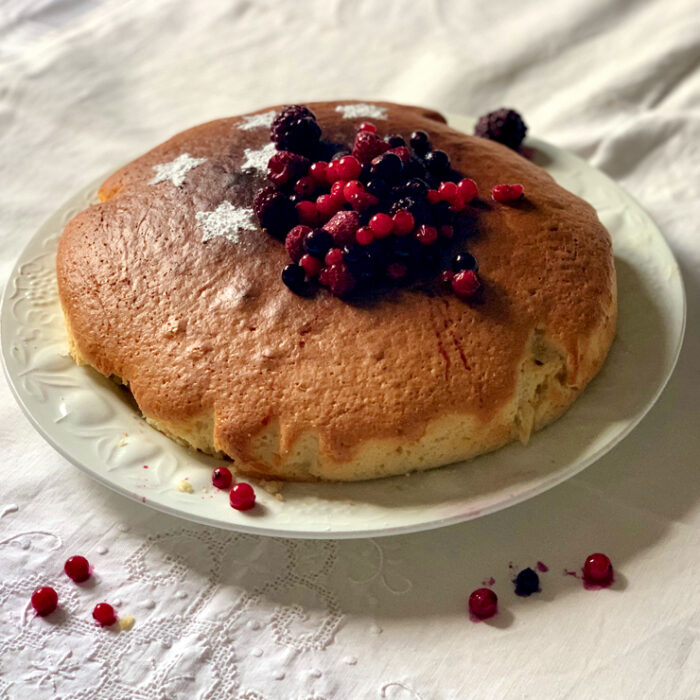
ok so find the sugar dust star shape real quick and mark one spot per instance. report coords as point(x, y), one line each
point(257, 160)
point(361, 110)
point(176, 170)
point(258, 121)
point(226, 221)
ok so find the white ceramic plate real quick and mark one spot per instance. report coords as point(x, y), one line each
point(95, 425)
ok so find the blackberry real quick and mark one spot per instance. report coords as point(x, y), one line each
point(295, 129)
point(504, 125)
point(527, 582)
point(275, 212)
point(295, 278)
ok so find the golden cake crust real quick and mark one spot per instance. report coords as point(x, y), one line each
point(219, 354)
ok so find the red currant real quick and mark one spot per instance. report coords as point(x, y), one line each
point(483, 603)
point(349, 168)
point(308, 213)
point(77, 568)
point(318, 171)
point(598, 569)
point(242, 496)
point(402, 152)
point(467, 189)
point(433, 196)
point(312, 266)
point(305, 186)
point(427, 235)
point(382, 225)
point(403, 222)
point(338, 191)
point(363, 200)
point(222, 478)
point(507, 193)
point(446, 277)
point(465, 284)
point(351, 188)
point(332, 172)
point(327, 205)
point(334, 257)
point(364, 235)
point(44, 600)
point(104, 614)
point(367, 126)
point(447, 192)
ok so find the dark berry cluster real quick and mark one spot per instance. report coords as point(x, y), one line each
point(504, 125)
point(381, 212)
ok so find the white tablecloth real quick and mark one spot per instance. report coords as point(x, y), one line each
point(85, 86)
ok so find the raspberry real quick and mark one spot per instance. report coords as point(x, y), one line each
point(382, 225)
point(338, 279)
point(275, 212)
point(467, 189)
point(465, 284)
point(507, 193)
point(342, 227)
point(221, 477)
point(327, 205)
point(368, 145)
point(285, 167)
point(295, 129)
point(241, 496)
point(305, 187)
point(294, 242)
point(307, 213)
point(504, 125)
point(349, 168)
point(364, 235)
point(367, 126)
point(483, 603)
point(598, 569)
point(403, 222)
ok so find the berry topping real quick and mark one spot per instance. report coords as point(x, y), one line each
point(349, 168)
point(307, 213)
point(386, 167)
point(242, 496)
point(527, 582)
point(420, 142)
point(318, 242)
point(483, 603)
point(333, 257)
point(367, 126)
point(403, 222)
point(343, 226)
point(382, 225)
point(294, 277)
point(338, 279)
point(467, 189)
point(433, 196)
point(367, 146)
point(448, 192)
point(427, 235)
point(364, 235)
point(275, 212)
point(507, 193)
point(104, 614)
point(504, 125)
point(285, 167)
point(598, 569)
point(464, 261)
point(395, 140)
point(437, 162)
point(318, 171)
point(338, 191)
point(446, 231)
point(446, 277)
point(44, 600)
point(295, 129)
point(77, 568)
point(361, 201)
point(294, 242)
point(396, 271)
point(402, 152)
point(312, 266)
point(466, 284)
point(327, 205)
point(305, 187)
point(378, 187)
point(351, 188)
point(222, 478)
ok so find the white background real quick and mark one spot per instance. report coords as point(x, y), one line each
point(87, 85)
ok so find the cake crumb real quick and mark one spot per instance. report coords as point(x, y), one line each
point(122, 442)
point(126, 622)
point(184, 486)
point(273, 487)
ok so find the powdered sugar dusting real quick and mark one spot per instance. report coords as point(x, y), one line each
point(361, 110)
point(257, 160)
point(226, 221)
point(258, 121)
point(176, 170)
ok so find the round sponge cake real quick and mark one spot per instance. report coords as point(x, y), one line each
point(169, 285)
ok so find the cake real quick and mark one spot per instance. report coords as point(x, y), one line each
point(171, 286)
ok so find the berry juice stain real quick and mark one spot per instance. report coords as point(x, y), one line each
point(542, 567)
